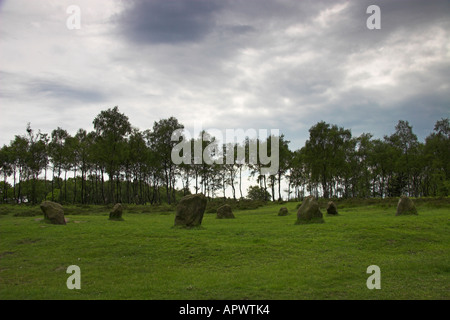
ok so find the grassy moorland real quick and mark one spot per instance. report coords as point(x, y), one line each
point(257, 255)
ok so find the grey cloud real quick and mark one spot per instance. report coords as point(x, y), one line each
point(46, 87)
point(265, 64)
point(236, 30)
point(56, 89)
point(347, 31)
point(167, 22)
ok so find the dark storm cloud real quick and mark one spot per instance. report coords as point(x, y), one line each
point(187, 21)
point(173, 22)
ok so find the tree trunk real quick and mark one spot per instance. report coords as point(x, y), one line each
point(14, 183)
point(265, 188)
point(223, 188)
point(167, 185)
point(5, 189)
point(273, 189)
point(75, 185)
point(65, 186)
point(20, 187)
point(240, 180)
point(279, 187)
point(103, 186)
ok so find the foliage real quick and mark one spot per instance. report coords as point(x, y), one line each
point(119, 163)
point(257, 193)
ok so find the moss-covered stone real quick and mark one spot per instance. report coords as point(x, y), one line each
point(190, 211)
point(406, 206)
point(53, 212)
point(225, 212)
point(309, 212)
point(116, 212)
point(283, 211)
point(332, 208)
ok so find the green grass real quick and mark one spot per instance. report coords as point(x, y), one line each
point(258, 255)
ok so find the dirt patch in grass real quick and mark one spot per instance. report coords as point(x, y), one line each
point(5, 253)
point(27, 241)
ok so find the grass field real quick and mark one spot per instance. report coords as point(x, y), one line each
point(258, 255)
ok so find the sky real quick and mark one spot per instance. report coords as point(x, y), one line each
point(225, 64)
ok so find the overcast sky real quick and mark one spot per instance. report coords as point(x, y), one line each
point(225, 64)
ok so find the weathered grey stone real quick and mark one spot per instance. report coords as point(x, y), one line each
point(116, 213)
point(190, 211)
point(405, 206)
point(53, 212)
point(225, 212)
point(309, 212)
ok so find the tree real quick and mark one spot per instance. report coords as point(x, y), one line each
point(298, 174)
point(360, 167)
point(136, 166)
point(381, 163)
point(5, 169)
point(56, 152)
point(437, 155)
point(37, 159)
point(112, 128)
point(325, 153)
point(285, 156)
point(19, 154)
point(252, 151)
point(72, 160)
point(231, 169)
point(257, 193)
point(405, 144)
point(162, 145)
point(82, 159)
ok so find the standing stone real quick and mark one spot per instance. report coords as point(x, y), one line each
point(405, 206)
point(116, 213)
point(309, 212)
point(332, 208)
point(190, 211)
point(225, 212)
point(53, 212)
point(283, 211)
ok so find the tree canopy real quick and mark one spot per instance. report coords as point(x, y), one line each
point(116, 162)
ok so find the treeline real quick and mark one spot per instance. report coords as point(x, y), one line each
point(119, 163)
